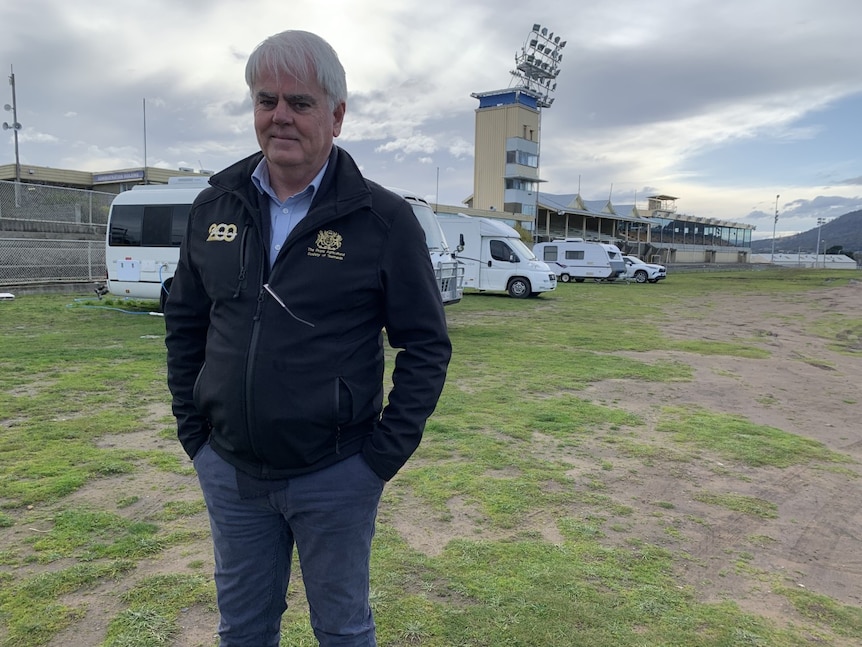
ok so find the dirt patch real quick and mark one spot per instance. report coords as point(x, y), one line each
point(804, 387)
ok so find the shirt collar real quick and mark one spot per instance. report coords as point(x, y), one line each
point(260, 178)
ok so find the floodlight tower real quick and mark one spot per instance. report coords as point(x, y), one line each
point(820, 223)
point(508, 124)
point(537, 65)
point(14, 126)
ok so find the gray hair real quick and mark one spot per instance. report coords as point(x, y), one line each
point(303, 55)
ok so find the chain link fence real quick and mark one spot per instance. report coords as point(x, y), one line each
point(51, 234)
point(45, 260)
point(41, 203)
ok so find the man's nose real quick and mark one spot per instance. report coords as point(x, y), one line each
point(282, 114)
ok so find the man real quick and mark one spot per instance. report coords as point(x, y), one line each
point(291, 267)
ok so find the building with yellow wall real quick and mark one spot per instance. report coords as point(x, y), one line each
point(112, 181)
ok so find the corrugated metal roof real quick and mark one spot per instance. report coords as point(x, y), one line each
point(574, 203)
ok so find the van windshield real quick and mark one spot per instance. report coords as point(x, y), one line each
point(433, 233)
point(524, 252)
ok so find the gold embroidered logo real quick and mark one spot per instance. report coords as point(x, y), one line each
point(328, 240)
point(327, 245)
point(222, 232)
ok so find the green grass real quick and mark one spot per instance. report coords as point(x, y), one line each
point(844, 333)
point(154, 606)
point(735, 438)
point(740, 503)
point(31, 608)
point(514, 438)
point(843, 619)
point(92, 534)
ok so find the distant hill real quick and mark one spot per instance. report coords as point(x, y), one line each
point(844, 231)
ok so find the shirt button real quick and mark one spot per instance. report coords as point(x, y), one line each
point(278, 247)
point(285, 210)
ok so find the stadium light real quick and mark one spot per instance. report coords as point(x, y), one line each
point(820, 223)
point(15, 126)
point(537, 65)
point(774, 223)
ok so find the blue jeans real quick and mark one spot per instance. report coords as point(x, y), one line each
point(329, 515)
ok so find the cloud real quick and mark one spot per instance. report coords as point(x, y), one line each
point(31, 136)
point(460, 147)
point(820, 207)
point(722, 104)
point(417, 143)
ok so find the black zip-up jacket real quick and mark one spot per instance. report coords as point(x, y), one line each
point(282, 369)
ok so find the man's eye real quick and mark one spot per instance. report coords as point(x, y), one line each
point(266, 103)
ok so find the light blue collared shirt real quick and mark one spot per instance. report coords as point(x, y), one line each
point(284, 216)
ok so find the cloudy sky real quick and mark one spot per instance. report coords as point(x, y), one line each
point(722, 104)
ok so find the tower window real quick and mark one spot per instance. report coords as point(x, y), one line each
point(522, 158)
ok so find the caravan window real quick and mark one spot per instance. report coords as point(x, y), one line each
point(574, 254)
point(154, 225)
point(549, 253)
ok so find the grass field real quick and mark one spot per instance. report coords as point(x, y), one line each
point(78, 376)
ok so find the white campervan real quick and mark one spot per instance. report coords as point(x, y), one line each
point(449, 273)
point(494, 257)
point(574, 259)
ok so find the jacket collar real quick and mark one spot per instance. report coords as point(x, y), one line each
point(342, 189)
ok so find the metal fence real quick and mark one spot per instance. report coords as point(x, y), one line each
point(41, 203)
point(64, 240)
point(43, 260)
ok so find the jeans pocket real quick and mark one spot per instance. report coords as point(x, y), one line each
point(199, 452)
point(370, 473)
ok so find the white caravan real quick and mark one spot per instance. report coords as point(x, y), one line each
point(574, 259)
point(495, 258)
point(146, 226)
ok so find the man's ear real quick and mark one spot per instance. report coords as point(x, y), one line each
point(338, 118)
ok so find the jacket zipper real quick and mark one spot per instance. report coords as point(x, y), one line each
point(242, 271)
point(250, 364)
point(252, 344)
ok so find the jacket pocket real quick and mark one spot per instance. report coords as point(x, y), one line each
point(343, 403)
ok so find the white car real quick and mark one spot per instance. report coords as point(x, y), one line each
point(642, 272)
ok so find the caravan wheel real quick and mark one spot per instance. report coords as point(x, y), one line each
point(565, 278)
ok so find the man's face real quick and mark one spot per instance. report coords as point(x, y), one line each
point(295, 127)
